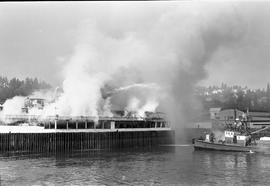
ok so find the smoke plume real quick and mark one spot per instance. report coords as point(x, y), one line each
point(144, 57)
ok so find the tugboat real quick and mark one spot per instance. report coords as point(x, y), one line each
point(238, 139)
point(233, 142)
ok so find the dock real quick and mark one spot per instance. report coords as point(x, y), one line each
point(81, 134)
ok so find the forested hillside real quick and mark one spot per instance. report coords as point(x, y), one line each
point(17, 87)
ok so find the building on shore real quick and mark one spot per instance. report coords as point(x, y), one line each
point(259, 119)
point(222, 117)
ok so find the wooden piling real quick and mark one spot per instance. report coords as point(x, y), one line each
point(69, 141)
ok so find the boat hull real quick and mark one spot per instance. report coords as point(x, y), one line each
point(203, 145)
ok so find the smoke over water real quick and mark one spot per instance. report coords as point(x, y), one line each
point(143, 57)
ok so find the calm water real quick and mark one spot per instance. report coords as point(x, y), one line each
point(166, 166)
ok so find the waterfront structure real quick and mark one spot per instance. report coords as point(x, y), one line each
point(29, 103)
point(221, 118)
point(214, 112)
point(225, 117)
point(60, 133)
point(225, 114)
point(259, 119)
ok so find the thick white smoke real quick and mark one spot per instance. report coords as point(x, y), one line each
point(125, 47)
point(12, 107)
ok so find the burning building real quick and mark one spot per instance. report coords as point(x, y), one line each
point(26, 132)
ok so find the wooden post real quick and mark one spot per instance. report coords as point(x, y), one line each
point(1, 142)
point(113, 125)
point(55, 124)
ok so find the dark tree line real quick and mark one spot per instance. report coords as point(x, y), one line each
point(17, 87)
point(242, 99)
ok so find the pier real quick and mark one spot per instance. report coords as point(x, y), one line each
point(70, 134)
point(82, 140)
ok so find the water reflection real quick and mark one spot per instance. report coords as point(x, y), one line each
point(163, 166)
point(233, 167)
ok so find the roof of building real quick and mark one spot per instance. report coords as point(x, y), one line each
point(215, 109)
point(231, 110)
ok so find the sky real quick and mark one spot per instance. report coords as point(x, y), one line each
point(38, 39)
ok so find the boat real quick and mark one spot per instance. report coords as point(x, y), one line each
point(234, 140)
point(204, 145)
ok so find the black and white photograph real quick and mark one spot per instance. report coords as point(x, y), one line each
point(141, 93)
